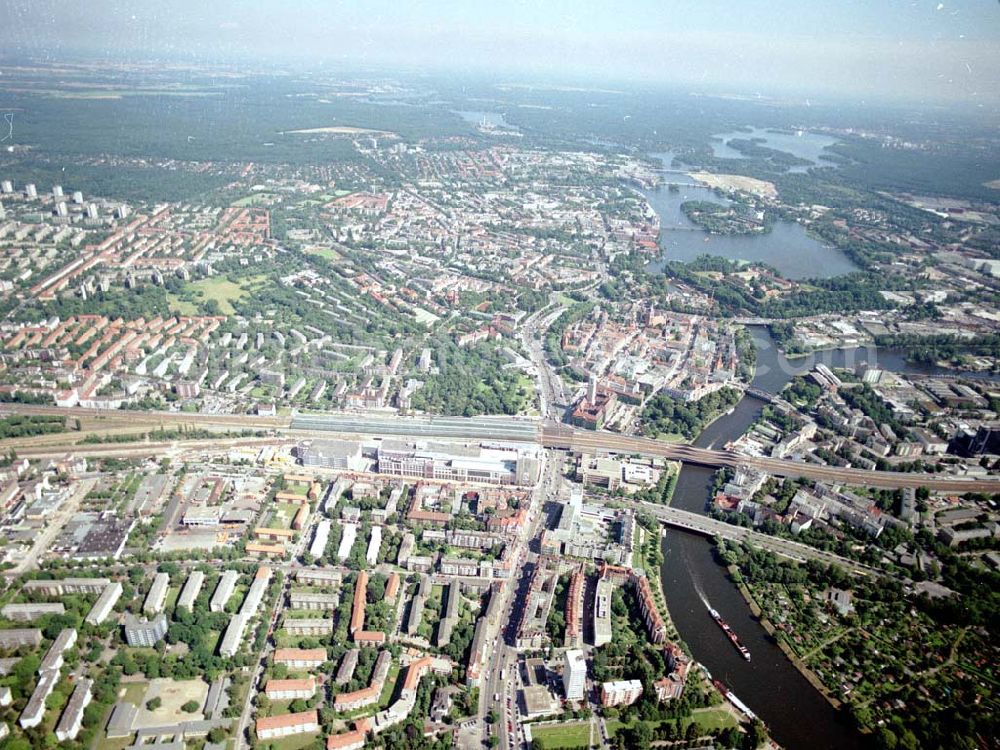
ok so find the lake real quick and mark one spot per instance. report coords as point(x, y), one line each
point(786, 247)
point(799, 143)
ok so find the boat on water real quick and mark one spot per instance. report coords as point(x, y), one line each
point(733, 638)
point(730, 696)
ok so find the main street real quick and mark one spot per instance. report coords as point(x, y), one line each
point(500, 676)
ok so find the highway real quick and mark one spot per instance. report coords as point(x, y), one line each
point(688, 521)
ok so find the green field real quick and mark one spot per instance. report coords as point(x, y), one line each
point(295, 742)
point(221, 289)
point(323, 252)
point(709, 719)
point(255, 200)
point(555, 736)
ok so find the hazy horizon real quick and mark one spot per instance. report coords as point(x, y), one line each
point(930, 52)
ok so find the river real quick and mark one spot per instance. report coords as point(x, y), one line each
point(796, 714)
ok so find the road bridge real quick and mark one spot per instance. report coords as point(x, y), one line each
point(699, 524)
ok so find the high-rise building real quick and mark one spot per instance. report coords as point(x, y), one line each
point(145, 632)
point(575, 675)
point(30, 190)
point(57, 191)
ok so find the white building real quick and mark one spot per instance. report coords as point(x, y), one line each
point(270, 727)
point(72, 717)
point(318, 546)
point(374, 544)
point(289, 690)
point(224, 590)
point(105, 603)
point(620, 692)
point(347, 540)
point(157, 594)
point(191, 590)
point(33, 712)
point(234, 635)
point(575, 675)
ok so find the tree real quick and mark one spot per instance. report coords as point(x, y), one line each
point(217, 735)
point(190, 707)
point(154, 703)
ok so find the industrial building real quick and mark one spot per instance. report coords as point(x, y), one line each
point(511, 464)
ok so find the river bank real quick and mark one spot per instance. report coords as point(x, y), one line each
point(773, 632)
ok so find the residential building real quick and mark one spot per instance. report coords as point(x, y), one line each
point(287, 690)
point(61, 587)
point(192, 588)
point(347, 666)
point(105, 603)
point(34, 710)
point(620, 692)
point(332, 577)
point(272, 727)
point(10, 639)
point(144, 633)
point(300, 658)
point(157, 594)
point(574, 675)
point(72, 717)
point(310, 626)
point(602, 612)
point(223, 590)
point(31, 610)
point(313, 601)
point(233, 636)
point(53, 659)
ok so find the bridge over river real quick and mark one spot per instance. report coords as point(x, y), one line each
point(699, 524)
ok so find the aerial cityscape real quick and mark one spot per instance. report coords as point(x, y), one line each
point(366, 398)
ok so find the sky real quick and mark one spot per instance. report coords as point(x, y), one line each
point(946, 50)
